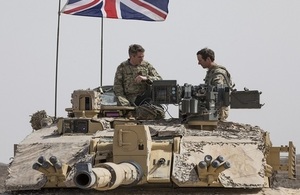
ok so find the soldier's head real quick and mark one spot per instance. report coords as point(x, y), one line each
point(205, 57)
point(136, 54)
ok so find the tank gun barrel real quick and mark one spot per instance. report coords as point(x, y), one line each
point(107, 176)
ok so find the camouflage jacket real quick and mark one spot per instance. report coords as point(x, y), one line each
point(124, 83)
point(218, 75)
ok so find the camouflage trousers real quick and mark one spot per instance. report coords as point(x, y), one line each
point(122, 101)
point(133, 100)
point(223, 113)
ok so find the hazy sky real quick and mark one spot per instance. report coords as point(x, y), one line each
point(258, 41)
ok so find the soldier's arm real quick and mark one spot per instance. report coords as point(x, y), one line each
point(119, 87)
point(118, 82)
point(219, 77)
point(153, 74)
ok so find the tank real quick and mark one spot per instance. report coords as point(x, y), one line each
point(101, 146)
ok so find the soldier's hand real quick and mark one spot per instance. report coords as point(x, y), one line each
point(140, 78)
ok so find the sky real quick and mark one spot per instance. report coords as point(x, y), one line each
point(258, 41)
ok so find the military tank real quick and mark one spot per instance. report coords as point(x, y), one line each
point(103, 146)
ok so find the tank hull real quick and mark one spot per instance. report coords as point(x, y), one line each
point(241, 145)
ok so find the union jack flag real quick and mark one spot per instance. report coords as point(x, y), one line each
point(149, 10)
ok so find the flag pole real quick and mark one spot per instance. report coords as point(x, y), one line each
point(56, 67)
point(101, 62)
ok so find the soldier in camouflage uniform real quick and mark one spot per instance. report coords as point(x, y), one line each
point(215, 75)
point(133, 77)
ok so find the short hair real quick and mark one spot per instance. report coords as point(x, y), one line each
point(206, 52)
point(134, 49)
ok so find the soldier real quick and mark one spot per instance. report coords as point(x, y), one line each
point(133, 77)
point(215, 74)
